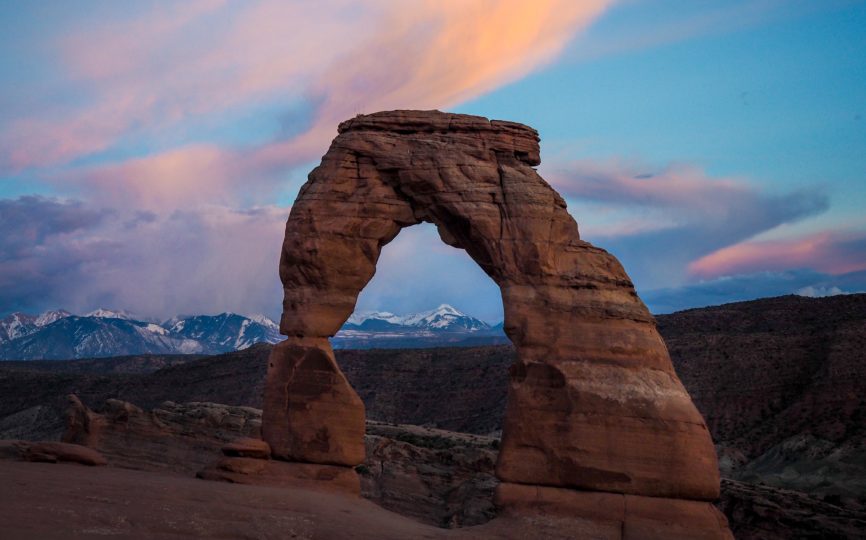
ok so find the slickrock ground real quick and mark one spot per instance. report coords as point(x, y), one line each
point(43, 501)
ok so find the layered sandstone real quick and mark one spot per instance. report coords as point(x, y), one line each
point(176, 437)
point(593, 400)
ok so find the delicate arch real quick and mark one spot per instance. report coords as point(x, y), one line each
point(593, 401)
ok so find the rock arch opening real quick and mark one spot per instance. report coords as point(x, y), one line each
point(434, 320)
point(595, 413)
point(417, 274)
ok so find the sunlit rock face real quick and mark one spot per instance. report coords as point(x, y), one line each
point(594, 403)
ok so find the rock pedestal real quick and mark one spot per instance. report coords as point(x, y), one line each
point(310, 413)
point(594, 403)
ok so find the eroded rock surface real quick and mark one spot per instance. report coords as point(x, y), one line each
point(435, 476)
point(593, 400)
point(176, 437)
point(50, 452)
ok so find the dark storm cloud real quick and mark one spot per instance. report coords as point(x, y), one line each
point(65, 254)
point(45, 247)
point(29, 222)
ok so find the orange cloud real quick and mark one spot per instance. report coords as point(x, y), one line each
point(200, 173)
point(832, 253)
point(199, 60)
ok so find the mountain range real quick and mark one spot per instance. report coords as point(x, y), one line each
point(59, 334)
point(56, 335)
point(442, 326)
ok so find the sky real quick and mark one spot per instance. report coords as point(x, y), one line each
point(150, 152)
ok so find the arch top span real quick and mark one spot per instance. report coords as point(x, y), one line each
point(593, 403)
point(473, 179)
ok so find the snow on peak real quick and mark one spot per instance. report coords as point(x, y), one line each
point(437, 317)
point(156, 329)
point(443, 317)
point(103, 313)
point(387, 316)
point(51, 316)
point(263, 320)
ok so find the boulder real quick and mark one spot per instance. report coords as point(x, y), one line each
point(311, 413)
point(179, 437)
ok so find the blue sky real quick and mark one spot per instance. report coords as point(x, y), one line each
point(149, 157)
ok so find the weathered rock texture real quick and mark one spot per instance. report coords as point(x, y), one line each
point(50, 452)
point(435, 476)
point(593, 401)
point(176, 437)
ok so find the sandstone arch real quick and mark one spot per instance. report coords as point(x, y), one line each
point(593, 404)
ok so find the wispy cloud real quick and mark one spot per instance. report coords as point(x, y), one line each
point(673, 216)
point(829, 252)
point(192, 60)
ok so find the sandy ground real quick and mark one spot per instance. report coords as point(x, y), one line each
point(48, 501)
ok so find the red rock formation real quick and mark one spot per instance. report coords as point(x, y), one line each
point(593, 403)
point(311, 414)
point(173, 437)
point(50, 452)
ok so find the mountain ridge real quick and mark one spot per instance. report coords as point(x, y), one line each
point(105, 333)
point(59, 334)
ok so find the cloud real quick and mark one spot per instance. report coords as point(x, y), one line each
point(67, 254)
point(31, 221)
point(658, 223)
point(150, 96)
point(199, 61)
point(830, 252)
point(812, 291)
point(208, 260)
point(743, 287)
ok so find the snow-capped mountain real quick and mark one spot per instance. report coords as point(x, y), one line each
point(16, 325)
point(49, 317)
point(443, 318)
point(444, 325)
point(103, 313)
point(226, 331)
point(19, 325)
point(87, 337)
point(104, 332)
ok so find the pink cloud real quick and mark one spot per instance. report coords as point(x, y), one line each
point(659, 221)
point(829, 252)
point(188, 176)
point(675, 186)
point(201, 59)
